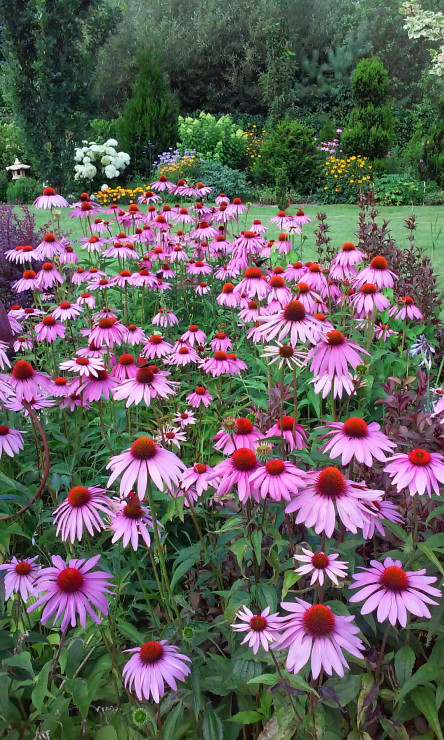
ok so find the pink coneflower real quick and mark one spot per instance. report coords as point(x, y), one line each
point(248, 242)
point(11, 441)
point(79, 276)
point(198, 476)
point(355, 438)
point(418, 470)
point(108, 332)
point(311, 300)
point(50, 199)
point(22, 344)
point(250, 313)
point(121, 251)
point(278, 479)
point(281, 220)
point(86, 299)
point(283, 244)
point(316, 280)
point(333, 353)
point(200, 397)
point(21, 255)
point(202, 289)
point(316, 632)
point(323, 491)
point(228, 297)
point(300, 219)
point(383, 331)
point(221, 198)
point(27, 382)
point(236, 364)
point(285, 354)
point(221, 342)
point(73, 400)
point(162, 184)
point(4, 359)
point(204, 232)
point(347, 258)
point(320, 566)
point(149, 197)
point(85, 209)
point(66, 311)
point(184, 419)
point(153, 665)
point(194, 336)
point(145, 459)
point(183, 356)
point(28, 281)
point(368, 299)
point(130, 521)
point(94, 387)
point(262, 629)
point(124, 368)
point(148, 383)
point(253, 284)
point(155, 347)
point(293, 321)
point(134, 335)
point(394, 591)
point(384, 510)
point(258, 227)
point(293, 434)
point(72, 589)
point(49, 248)
point(48, 277)
point(60, 387)
point(81, 509)
point(236, 208)
point(236, 471)
point(378, 273)
point(20, 577)
point(295, 272)
point(218, 365)
point(84, 366)
point(123, 279)
point(405, 309)
point(172, 437)
point(49, 330)
point(242, 434)
point(165, 318)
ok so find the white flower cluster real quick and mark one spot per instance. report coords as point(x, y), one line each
point(104, 159)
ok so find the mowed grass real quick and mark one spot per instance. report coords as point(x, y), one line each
point(342, 220)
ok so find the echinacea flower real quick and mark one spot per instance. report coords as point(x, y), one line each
point(285, 354)
point(293, 434)
point(384, 510)
point(50, 199)
point(199, 475)
point(171, 437)
point(49, 248)
point(418, 470)
point(81, 510)
point(20, 577)
point(321, 566)
point(93, 387)
point(293, 320)
point(184, 419)
point(27, 382)
point(378, 273)
point(405, 309)
point(242, 434)
point(236, 471)
point(200, 397)
point(278, 479)
point(329, 491)
point(11, 441)
point(183, 356)
point(66, 311)
point(28, 281)
point(70, 590)
point(316, 632)
point(261, 629)
point(253, 284)
point(148, 383)
point(109, 332)
point(48, 277)
point(49, 330)
point(367, 300)
point(153, 665)
point(355, 438)
point(333, 353)
point(84, 366)
point(144, 460)
point(394, 591)
point(130, 521)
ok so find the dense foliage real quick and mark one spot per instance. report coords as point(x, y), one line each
point(201, 436)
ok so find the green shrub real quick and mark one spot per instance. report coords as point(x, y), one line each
point(150, 115)
point(328, 131)
point(292, 144)
point(433, 194)
point(282, 186)
point(4, 182)
point(217, 139)
point(432, 165)
point(398, 190)
point(25, 189)
point(222, 178)
point(101, 130)
point(370, 129)
point(10, 146)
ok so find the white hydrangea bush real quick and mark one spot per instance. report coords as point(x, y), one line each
point(99, 159)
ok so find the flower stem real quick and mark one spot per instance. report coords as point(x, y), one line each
point(145, 590)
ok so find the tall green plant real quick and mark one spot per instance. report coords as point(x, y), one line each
point(370, 130)
point(48, 73)
point(432, 166)
point(151, 113)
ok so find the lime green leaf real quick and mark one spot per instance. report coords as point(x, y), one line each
point(424, 700)
point(246, 718)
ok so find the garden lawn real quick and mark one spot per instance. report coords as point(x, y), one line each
point(342, 220)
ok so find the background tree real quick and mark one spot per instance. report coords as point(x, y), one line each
point(432, 165)
point(151, 113)
point(47, 77)
point(370, 130)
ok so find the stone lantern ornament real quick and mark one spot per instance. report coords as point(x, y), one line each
point(18, 169)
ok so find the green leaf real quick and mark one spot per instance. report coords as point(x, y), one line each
point(238, 548)
point(172, 722)
point(396, 529)
point(212, 728)
point(424, 700)
point(40, 689)
point(269, 679)
point(427, 672)
point(394, 730)
point(431, 556)
point(128, 630)
point(290, 578)
point(436, 512)
point(181, 570)
point(256, 539)
point(80, 694)
point(247, 717)
point(106, 733)
point(404, 662)
point(21, 660)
